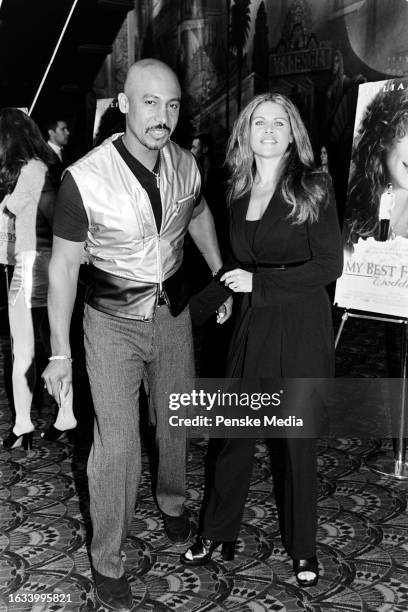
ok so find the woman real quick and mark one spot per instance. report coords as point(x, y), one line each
point(25, 164)
point(286, 242)
point(379, 162)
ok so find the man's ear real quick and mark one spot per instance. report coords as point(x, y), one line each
point(123, 103)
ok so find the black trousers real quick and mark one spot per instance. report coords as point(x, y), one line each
point(294, 468)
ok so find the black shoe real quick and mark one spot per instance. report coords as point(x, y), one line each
point(177, 528)
point(113, 593)
point(306, 565)
point(202, 550)
point(14, 441)
point(52, 434)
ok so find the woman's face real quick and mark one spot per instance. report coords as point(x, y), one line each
point(270, 131)
point(397, 163)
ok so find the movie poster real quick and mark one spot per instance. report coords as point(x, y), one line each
point(375, 272)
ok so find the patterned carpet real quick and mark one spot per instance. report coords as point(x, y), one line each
point(362, 537)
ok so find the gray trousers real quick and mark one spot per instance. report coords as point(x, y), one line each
point(118, 353)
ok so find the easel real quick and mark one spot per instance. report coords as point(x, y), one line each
point(397, 467)
point(6, 276)
point(5, 269)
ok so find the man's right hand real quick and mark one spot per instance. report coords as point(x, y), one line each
point(63, 277)
point(57, 377)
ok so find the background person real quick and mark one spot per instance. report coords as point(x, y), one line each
point(213, 179)
point(26, 164)
point(57, 136)
point(286, 243)
point(112, 122)
point(211, 341)
point(202, 148)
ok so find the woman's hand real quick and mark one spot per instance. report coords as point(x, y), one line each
point(240, 281)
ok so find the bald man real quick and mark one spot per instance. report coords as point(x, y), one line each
point(130, 202)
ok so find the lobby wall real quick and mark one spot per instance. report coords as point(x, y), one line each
point(315, 51)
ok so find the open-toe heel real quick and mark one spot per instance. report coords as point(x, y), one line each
point(306, 565)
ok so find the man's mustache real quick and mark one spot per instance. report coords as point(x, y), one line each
point(159, 126)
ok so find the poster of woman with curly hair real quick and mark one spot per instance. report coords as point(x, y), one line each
point(375, 273)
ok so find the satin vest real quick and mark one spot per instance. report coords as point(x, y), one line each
point(129, 258)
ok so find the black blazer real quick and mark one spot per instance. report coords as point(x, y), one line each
point(284, 326)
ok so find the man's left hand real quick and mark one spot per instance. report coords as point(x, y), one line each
point(224, 311)
point(240, 281)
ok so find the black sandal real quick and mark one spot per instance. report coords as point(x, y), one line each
point(306, 565)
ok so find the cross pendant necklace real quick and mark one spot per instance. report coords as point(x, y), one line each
point(157, 177)
point(156, 171)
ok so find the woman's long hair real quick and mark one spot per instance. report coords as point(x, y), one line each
point(385, 121)
point(298, 185)
point(20, 141)
point(112, 122)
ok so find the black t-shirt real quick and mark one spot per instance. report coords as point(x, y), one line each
point(70, 218)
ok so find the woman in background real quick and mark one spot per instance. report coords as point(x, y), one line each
point(25, 176)
point(286, 243)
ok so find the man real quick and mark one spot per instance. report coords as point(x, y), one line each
point(131, 201)
point(57, 133)
point(213, 181)
point(202, 149)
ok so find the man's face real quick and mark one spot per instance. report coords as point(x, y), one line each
point(196, 148)
point(336, 65)
point(60, 135)
point(152, 106)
